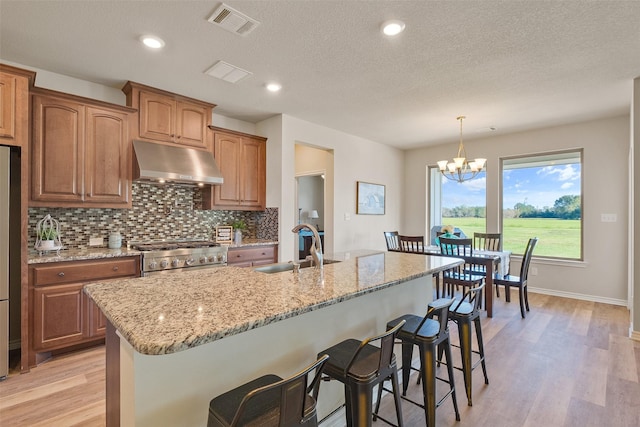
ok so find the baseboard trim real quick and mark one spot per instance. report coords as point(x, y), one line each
point(635, 335)
point(584, 297)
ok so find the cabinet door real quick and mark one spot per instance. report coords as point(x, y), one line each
point(157, 115)
point(191, 124)
point(7, 106)
point(58, 150)
point(58, 316)
point(252, 173)
point(107, 172)
point(97, 322)
point(227, 149)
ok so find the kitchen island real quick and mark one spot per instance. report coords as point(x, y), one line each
point(184, 338)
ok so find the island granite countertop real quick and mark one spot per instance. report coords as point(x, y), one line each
point(170, 313)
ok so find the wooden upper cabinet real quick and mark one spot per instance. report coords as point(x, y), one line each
point(242, 162)
point(8, 86)
point(14, 105)
point(80, 152)
point(167, 117)
point(58, 150)
point(106, 156)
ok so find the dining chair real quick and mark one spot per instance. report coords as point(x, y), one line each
point(414, 244)
point(518, 281)
point(487, 241)
point(464, 275)
point(391, 237)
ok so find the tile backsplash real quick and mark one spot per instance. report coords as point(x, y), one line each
point(158, 212)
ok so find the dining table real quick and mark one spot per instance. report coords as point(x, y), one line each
point(493, 262)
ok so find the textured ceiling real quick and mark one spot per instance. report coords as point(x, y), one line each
point(513, 65)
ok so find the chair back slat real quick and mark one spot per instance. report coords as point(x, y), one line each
point(414, 244)
point(391, 237)
point(526, 258)
point(487, 241)
point(456, 247)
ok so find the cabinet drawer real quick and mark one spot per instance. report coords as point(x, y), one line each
point(239, 255)
point(85, 271)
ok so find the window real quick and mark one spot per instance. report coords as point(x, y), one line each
point(462, 205)
point(542, 197)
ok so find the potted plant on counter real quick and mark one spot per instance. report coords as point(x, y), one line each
point(48, 238)
point(238, 227)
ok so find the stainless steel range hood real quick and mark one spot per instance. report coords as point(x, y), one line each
point(158, 162)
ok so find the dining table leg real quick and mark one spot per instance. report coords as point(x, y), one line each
point(488, 289)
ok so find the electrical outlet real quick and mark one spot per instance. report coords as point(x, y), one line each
point(96, 241)
point(608, 217)
point(534, 271)
point(347, 216)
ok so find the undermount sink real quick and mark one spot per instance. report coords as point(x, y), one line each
point(287, 266)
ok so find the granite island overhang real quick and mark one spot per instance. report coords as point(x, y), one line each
point(184, 338)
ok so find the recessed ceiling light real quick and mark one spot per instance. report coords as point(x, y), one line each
point(392, 27)
point(152, 41)
point(273, 87)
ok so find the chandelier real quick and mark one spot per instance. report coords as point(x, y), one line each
point(460, 169)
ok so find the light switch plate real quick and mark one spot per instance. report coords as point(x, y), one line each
point(608, 217)
point(347, 216)
point(96, 241)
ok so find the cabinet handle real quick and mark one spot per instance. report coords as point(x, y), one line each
point(115, 268)
point(61, 274)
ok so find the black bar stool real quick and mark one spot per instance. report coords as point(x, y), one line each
point(429, 335)
point(270, 400)
point(360, 366)
point(464, 313)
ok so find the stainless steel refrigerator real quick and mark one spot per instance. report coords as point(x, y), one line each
point(5, 179)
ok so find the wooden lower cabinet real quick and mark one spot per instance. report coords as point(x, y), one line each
point(62, 314)
point(250, 256)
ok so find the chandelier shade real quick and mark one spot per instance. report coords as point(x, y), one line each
point(460, 169)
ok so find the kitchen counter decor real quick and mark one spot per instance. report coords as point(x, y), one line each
point(48, 235)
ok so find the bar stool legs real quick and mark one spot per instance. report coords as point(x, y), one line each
point(361, 366)
point(432, 338)
point(464, 313)
point(464, 333)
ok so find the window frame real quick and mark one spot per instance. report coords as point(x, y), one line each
point(435, 206)
point(560, 155)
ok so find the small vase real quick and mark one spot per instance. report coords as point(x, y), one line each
point(237, 237)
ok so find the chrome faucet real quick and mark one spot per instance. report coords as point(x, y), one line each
point(316, 244)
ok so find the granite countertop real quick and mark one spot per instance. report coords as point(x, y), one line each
point(98, 253)
point(161, 316)
point(79, 254)
point(253, 242)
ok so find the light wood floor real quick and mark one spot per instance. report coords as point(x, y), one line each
point(569, 363)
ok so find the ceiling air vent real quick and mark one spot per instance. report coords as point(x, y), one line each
point(231, 20)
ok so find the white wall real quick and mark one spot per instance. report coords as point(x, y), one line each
point(603, 273)
point(355, 159)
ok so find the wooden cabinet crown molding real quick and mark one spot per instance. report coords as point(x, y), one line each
point(9, 69)
point(81, 100)
point(129, 87)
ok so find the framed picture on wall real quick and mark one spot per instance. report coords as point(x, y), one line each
point(370, 199)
